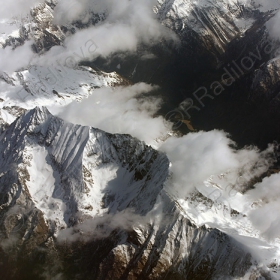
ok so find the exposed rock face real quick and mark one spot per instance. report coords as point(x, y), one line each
point(266, 83)
point(213, 23)
point(44, 32)
point(37, 26)
point(216, 36)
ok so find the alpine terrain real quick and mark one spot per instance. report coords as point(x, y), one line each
point(140, 139)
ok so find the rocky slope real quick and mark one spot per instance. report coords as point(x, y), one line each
point(37, 26)
point(227, 54)
point(266, 83)
point(213, 23)
point(47, 86)
point(79, 203)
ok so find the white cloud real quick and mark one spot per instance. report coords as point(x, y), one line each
point(119, 110)
point(273, 26)
point(197, 156)
point(14, 8)
point(12, 60)
point(265, 214)
point(102, 226)
point(127, 24)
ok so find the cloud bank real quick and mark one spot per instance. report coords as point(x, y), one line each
point(127, 24)
point(120, 110)
point(12, 60)
point(197, 156)
point(266, 209)
point(14, 8)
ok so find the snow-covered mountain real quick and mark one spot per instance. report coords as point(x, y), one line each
point(62, 182)
point(214, 23)
point(77, 202)
point(48, 86)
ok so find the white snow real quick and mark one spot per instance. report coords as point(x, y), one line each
point(41, 185)
point(52, 86)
